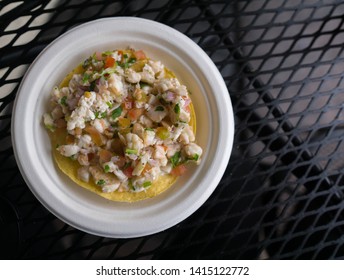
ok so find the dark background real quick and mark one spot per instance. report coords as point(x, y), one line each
point(282, 194)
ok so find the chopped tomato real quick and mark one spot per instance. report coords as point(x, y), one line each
point(140, 55)
point(179, 170)
point(135, 113)
point(128, 172)
point(187, 108)
point(109, 62)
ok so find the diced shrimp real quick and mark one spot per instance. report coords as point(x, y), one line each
point(116, 84)
point(147, 74)
point(157, 113)
point(83, 159)
point(163, 85)
point(172, 149)
point(84, 174)
point(184, 116)
point(138, 130)
point(193, 151)
point(140, 166)
point(153, 173)
point(146, 122)
point(68, 150)
point(134, 142)
point(131, 76)
point(101, 178)
point(75, 82)
point(167, 168)
point(177, 131)
point(111, 187)
point(85, 141)
point(149, 137)
point(181, 90)
point(157, 66)
point(160, 155)
point(187, 135)
point(98, 124)
point(110, 167)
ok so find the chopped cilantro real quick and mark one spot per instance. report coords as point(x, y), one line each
point(159, 108)
point(149, 129)
point(195, 157)
point(117, 112)
point(131, 151)
point(146, 184)
point(106, 168)
point(63, 101)
point(100, 115)
point(142, 84)
point(100, 182)
point(125, 55)
point(85, 77)
point(92, 86)
point(132, 60)
point(175, 159)
point(110, 105)
point(177, 109)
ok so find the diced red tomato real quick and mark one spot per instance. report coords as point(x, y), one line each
point(109, 62)
point(128, 172)
point(179, 170)
point(140, 55)
point(187, 108)
point(135, 113)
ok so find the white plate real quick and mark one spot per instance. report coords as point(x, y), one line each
point(83, 209)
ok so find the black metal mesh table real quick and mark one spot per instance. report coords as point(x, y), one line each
point(282, 194)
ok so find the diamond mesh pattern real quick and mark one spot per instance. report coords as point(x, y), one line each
point(281, 196)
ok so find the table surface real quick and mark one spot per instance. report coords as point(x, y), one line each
point(281, 196)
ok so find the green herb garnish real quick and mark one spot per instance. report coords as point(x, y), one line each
point(175, 159)
point(146, 184)
point(63, 101)
point(110, 105)
point(131, 151)
point(100, 182)
point(159, 108)
point(117, 112)
point(177, 109)
point(106, 168)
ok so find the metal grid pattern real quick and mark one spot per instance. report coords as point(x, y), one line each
point(281, 196)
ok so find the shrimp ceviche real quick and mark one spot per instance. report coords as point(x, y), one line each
point(122, 126)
